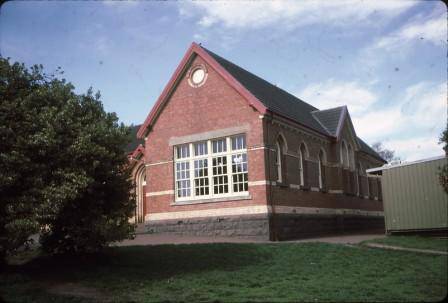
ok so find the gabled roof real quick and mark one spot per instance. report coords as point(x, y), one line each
point(274, 98)
point(196, 50)
point(331, 119)
point(368, 150)
point(261, 95)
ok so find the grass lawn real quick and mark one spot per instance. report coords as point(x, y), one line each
point(230, 272)
point(414, 242)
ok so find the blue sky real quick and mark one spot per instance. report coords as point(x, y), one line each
point(386, 60)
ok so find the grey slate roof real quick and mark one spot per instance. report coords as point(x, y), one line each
point(368, 150)
point(274, 98)
point(329, 118)
point(279, 101)
point(134, 141)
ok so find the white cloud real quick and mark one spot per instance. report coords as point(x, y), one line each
point(198, 37)
point(415, 148)
point(378, 125)
point(426, 105)
point(332, 93)
point(396, 45)
point(433, 30)
point(256, 14)
point(411, 126)
point(423, 108)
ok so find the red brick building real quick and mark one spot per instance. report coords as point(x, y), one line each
point(227, 153)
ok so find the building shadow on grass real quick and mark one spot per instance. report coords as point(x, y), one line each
point(137, 263)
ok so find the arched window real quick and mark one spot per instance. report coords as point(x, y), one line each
point(351, 157)
point(140, 183)
point(321, 169)
point(344, 154)
point(361, 171)
point(279, 150)
point(368, 183)
point(358, 179)
point(302, 153)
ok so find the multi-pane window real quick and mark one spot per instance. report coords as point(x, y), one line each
point(239, 172)
point(218, 168)
point(183, 151)
point(219, 146)
point(200, 148)
point(238, 142)
point(183, 179)
point(183, 183)
point(201, 177)
point(220, 178)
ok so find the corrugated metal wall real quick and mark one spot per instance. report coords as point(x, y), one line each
point(413, 197)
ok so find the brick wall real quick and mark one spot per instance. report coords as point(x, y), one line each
point(212, 106)
point(216, 106)
point(340, 188)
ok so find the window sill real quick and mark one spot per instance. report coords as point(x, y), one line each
point(281, 184)
point(212, 200)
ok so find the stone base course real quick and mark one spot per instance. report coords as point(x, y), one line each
point(282, 226)
point(298, 226)
point(232, 226)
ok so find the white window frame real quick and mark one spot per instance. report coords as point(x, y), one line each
point(344, 155)
point(351, 157)
point(321, 163)
point(278, 161)
point(358, 171)
point(302, 157)
point(209, 156)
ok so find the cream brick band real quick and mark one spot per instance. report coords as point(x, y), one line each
point(258, 209)
point(257, 148)
point(232, 211)
point(160, 193)
point(261, 182)
point(335, 191)
point(159, 163)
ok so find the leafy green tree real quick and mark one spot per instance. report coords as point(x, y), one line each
point(63, 171)
point(443, 174)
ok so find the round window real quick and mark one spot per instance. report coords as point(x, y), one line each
point(198, 76)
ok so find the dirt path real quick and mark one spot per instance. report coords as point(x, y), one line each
point(158, 239)
point(390, 247)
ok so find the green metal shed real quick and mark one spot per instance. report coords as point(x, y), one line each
point(413, 198)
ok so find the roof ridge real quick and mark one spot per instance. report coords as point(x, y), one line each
point(342, 118)
point(331, 108)
point(320, 122)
